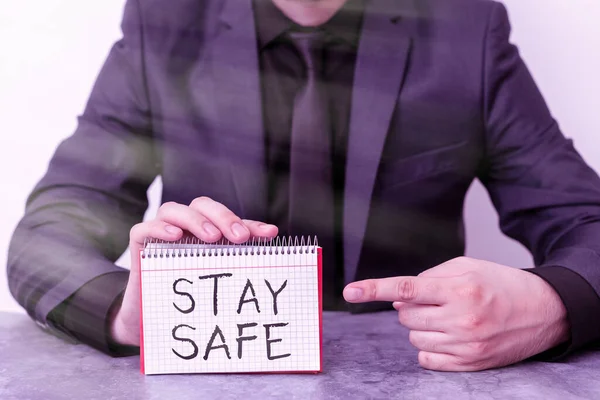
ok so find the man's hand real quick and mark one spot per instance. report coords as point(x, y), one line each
point(470, 315)
point(204, 218)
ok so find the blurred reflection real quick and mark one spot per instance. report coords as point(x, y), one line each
point(363, 122)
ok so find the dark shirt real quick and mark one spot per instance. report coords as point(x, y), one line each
point(282, 75)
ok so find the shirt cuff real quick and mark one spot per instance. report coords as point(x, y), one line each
point(583, 307)
point(85, 315)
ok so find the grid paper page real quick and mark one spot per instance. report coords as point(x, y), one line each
point(267, 313)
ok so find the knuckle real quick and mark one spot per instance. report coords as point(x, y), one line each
point(472, 321)
point(405, 289)
point(422, 344)
point(216, 210)
point(156, 225)
point(464, 260)
point(371, 289)
point(427, 360)
point(471, 276)
point(408, 316)
point(426, 322)
point(200, 202)
point(166, 208)
point(413, 339)
point(472, 290)
point(477, 349)
point(224, 214)
point(136, 230)
point(432, 347)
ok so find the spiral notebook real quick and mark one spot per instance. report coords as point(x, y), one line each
point(226, 308)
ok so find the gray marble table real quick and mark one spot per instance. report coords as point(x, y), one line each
point(365, 356)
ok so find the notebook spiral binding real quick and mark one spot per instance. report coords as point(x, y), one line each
point(194, 247)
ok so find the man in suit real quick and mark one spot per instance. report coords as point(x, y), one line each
point(361, 121)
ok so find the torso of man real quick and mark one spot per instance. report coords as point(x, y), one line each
point(407, 141)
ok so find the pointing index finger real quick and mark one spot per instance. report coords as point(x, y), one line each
point(407, 289)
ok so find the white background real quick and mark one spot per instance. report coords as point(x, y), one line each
point(51, 51)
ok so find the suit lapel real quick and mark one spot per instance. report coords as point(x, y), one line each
point(381, 61)
point(238, 106)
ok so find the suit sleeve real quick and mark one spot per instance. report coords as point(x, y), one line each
point(77, 219)
point(547, 197)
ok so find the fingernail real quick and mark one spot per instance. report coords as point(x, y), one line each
point(210, 228)
point(352, 294)
point(238, 230)
point(172, 229)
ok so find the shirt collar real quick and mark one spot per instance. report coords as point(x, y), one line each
point(272, 23)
